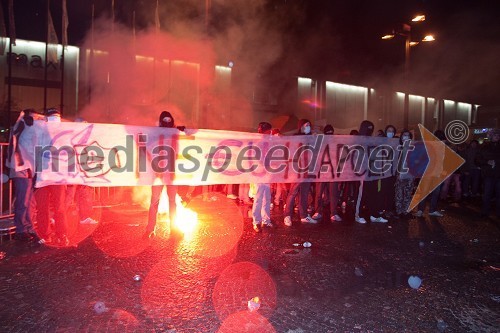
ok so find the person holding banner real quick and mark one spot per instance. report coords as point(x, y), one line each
point(405, 182)
point(369, 190)
point(81, 197)
point(388, 184)
point(55, 196)
point(22, 179)
point(324, 189)
point(165, 120)
point(280, 189)
point(261, 209)
point(303, 188)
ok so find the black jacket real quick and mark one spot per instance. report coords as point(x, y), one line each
point(490, 151)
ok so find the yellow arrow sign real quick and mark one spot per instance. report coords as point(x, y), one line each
point(443, 161)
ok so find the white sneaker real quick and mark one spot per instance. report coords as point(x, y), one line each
point(288, 221)
point(360, 220)
point(232, 196)
point(378, 219)
point(436, 214)
point(419, 213)
point(335, 218)
point(308, 219)
point(317, 216)
point(89, 220)
point(267, 223)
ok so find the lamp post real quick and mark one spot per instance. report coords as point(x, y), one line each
point(406, 33)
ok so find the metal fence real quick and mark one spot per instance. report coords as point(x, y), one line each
point(6, 194)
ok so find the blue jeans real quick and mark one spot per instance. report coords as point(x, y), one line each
point(491, 186)
point(261, 209)
point(23, 188)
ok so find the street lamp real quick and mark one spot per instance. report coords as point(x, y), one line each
point(405, 32)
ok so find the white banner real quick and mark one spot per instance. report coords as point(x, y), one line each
point(122, 155)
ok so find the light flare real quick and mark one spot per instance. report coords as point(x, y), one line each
point(418, 18)
point(186, 220)
point(429, 38)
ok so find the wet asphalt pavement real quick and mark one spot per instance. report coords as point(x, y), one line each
point(353, 278)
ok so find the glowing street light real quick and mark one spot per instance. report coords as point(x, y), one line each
point(418, 18)
point(406, 33)
point(428, 38)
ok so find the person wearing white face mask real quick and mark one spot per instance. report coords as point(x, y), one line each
point(405, 182)
point(52, 196)
point(304, 128)
point(53, 115)
point(387, 184)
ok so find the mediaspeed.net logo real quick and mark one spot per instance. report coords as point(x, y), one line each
point(442, 160)
point(439, 161)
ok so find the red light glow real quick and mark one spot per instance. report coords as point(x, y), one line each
point(238, 284)
point(245, 321)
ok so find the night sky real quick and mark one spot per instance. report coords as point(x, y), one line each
point(323, 39)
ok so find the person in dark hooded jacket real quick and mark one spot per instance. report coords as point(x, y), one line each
point(327, 191)
point(369, 190)
point(489, 161)
point(387, 185)
point(304, 128)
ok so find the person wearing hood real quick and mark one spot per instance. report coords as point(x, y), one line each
point(304, 128)
point(166, 120)
point(369, 190)
point(327, 191)
point(489, 161)
point(387, 185)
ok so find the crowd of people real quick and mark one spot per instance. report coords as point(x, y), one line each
point(48, 206)
point(377, 201)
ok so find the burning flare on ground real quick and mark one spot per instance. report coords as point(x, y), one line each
point(186, 220)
